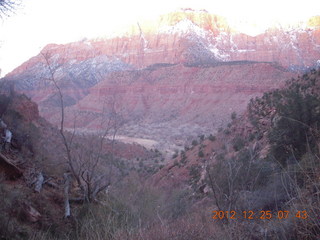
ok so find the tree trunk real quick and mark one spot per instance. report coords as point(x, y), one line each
point(39, 183)
point(67, 210)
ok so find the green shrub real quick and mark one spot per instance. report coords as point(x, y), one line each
point(293, 113)
point(194, 143)
point(178, 204)
point(201, 137)
point(226, 131)
point(175, 163)
point(233, 115)
point(292, 132)
point(183, 160)
point(212, 138)
point(174, 155)
point(238, 143)
point(141, 164)
point(200, 154)
point(252, 136)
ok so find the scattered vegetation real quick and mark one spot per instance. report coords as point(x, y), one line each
point(286, 178)
point(294, 115)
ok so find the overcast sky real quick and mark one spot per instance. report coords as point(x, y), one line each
point(40, 22)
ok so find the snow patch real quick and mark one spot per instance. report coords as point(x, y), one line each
point(218, 54)
point(245, 50)
point(183, 27)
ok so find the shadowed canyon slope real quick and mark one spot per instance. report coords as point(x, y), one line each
point(180, 76)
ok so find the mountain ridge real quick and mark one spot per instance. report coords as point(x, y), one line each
point(179, 36)
point(184, 49)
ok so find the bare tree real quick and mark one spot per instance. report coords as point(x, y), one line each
point(84, 155)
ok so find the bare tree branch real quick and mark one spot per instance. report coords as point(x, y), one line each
point(8, 7)
point(85, 162)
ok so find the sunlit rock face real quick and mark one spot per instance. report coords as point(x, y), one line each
point(194, 37)
point(189, 68)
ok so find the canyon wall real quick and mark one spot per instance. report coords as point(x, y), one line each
point(181, 75)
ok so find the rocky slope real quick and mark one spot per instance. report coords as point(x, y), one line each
point(247, 165)
point(252, 131)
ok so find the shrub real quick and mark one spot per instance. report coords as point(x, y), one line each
point(233, 115)
point(194, 143)
point(292, 132)
point(201, 137)
point(183, 160)
point(177, 204)
point(212, 138)
point(238, 143)
point(226, 131)
point(200, 154)
point(251, 137)
point(141, 164)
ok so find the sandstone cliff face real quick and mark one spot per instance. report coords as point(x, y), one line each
point(193, 37)
point(186, 73)
point(169, 103)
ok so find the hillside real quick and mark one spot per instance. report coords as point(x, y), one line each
point(265, 160)
point(33, 166)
